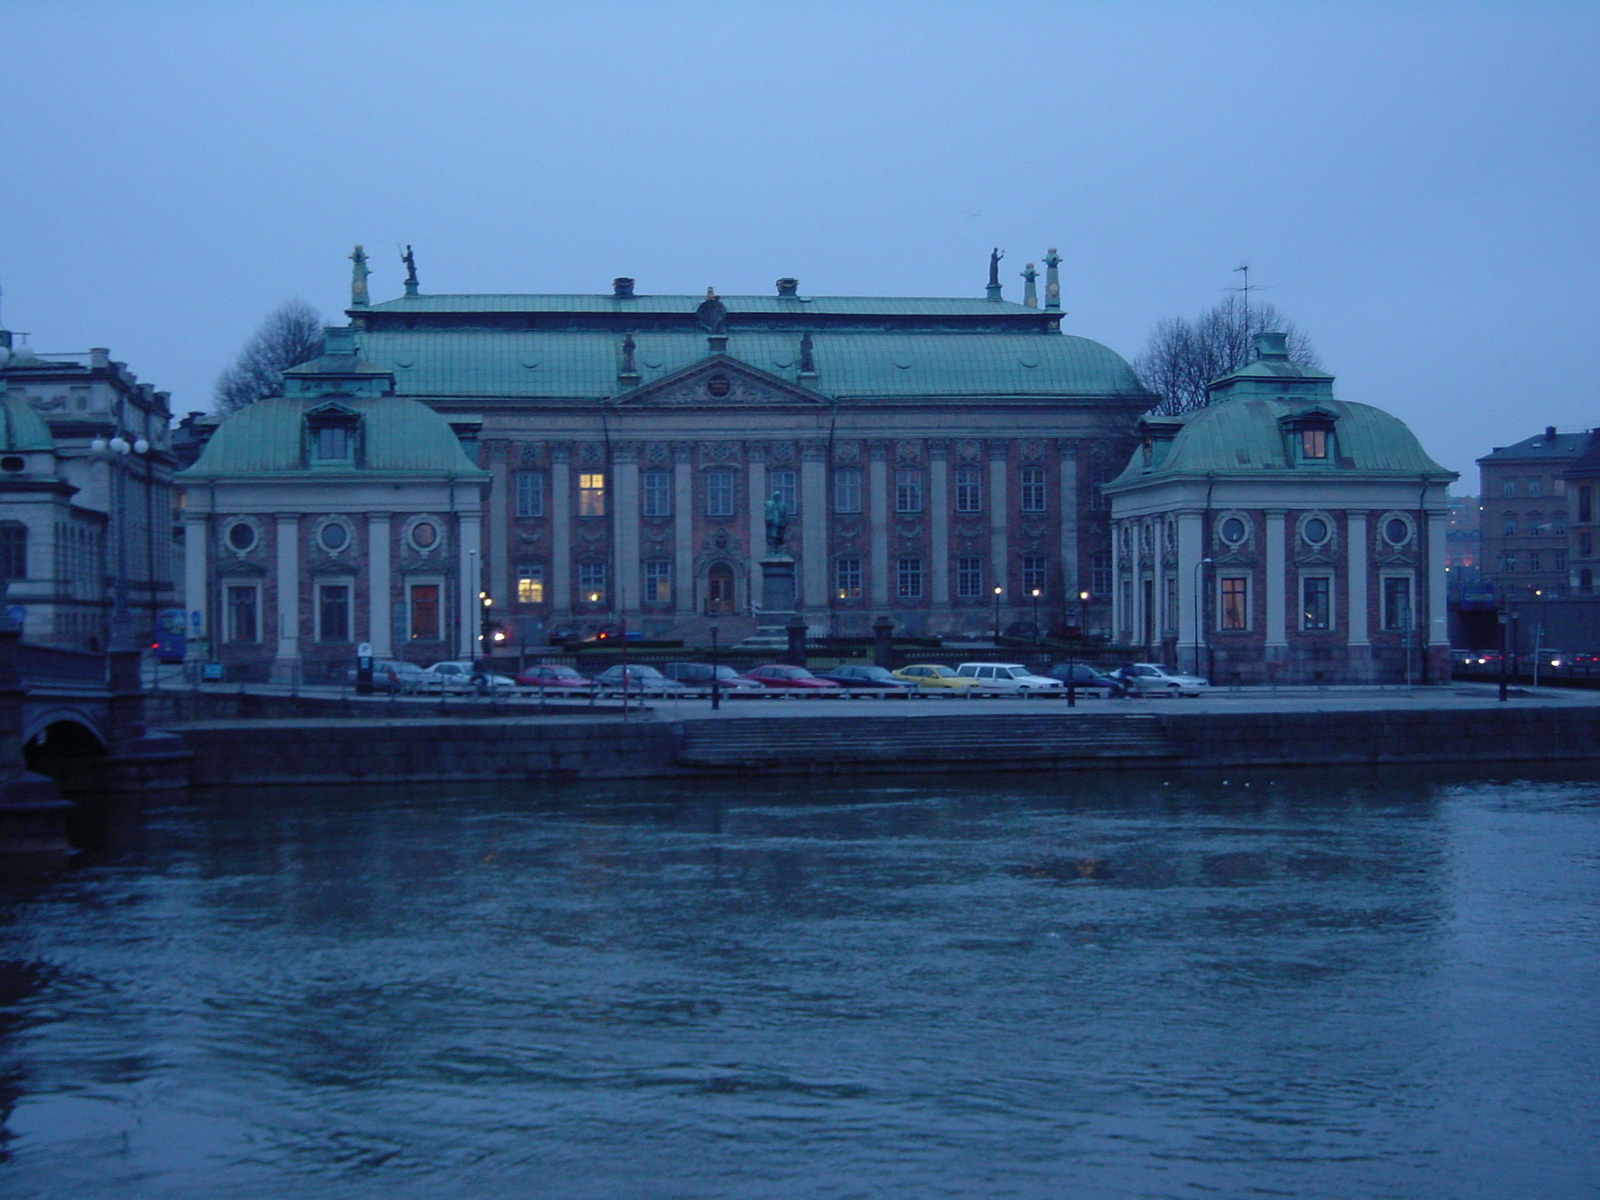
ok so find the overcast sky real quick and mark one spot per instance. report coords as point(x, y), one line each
point(1415, 184)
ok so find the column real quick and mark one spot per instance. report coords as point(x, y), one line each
point(1277, 583)
point(814, 526)
point(196, 567)
point(878, 523)
point(684, 583)
point(286, 659)
point(469, 526)
point(939, 531)
point(1356, 572)
point(561, 583)
point(625, 525)
point(1438, 611)
point(1070, 586)
point(999, 545)
point(1191, 590)
point(1135, 620)
point(380, 586)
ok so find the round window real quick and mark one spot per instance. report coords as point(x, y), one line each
point(241, 537)
point(424, 535)
point(1315, 530)
point(12, 462)
point(1234, 531)
point(1396, 531)
point(333, 536)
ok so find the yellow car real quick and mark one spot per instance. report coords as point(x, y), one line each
point(930, 675)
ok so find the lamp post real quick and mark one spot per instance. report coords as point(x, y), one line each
point(1038, 638)
point(997, 592)
point(1199, 612)
point(716, 690)
point(114, 453)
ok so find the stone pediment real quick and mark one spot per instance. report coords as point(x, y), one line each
point(717, 381)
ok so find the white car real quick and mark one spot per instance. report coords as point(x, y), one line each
point(1151, 679)
point(1008, 677)
point(457, 677)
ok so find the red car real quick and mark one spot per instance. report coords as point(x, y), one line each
point(793, 678)
point(554, 679)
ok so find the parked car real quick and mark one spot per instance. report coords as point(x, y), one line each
point(936, 675)
point(699, 675)
point(1152, 679)
point(1008, 677)
point(458, 677)
point(1083, 677)
point(789, 678)
point(859, 676)
point(635, 677)
point(391, 675)
point(551, 677)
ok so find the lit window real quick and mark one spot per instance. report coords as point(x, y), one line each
point(847, 578)
point(969, 489)
point(1316, 594)
point(592, 582)
point(1314, 443)
point(1235, 608)
point(847, 490)
point(591, 494)
point(530, 583)
point(1031, 481)
point(658, 583)
point(530, 493)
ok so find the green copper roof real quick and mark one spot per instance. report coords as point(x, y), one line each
point(584, 364)
point(895, 306)
point(22, 429)
point(1243, 435)
point(397, 436)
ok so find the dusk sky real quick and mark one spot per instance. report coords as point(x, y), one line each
point(1414, 184)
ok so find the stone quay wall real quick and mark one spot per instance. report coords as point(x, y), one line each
point(243, 752)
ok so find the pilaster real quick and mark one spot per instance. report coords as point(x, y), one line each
point(814, 525)
point(286, 657)
point(878, 523)
point(561, 581)
point(380, 584)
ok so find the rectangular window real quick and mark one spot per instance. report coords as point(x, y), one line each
point(969, 578)
point(1100, 575)
point(1585, 502)
point(591, 583)
point(1314, 443)
point(1396, 602)
point(13, 550)
point(969, 489)
point(1316, 602)
point(1030, 481)
point(655, 497)
point(591, 494)
point(333, 612)
point(241, 605)
point(847, 578)
point(530, 493)
point(1585, 545)
point(908, 490)
point(1558, 487)
point(847, 490)
point(782, 482)
point(1097, 481)
point(1508, 562)
point(658, 583)
point(334, 442)
point(1561, 561)
point(1508, 489)
point(1034, 567)
point(1534, 561)
point(1558, 525)
point(1234, 612)
point(424, 612)
point(530, 583)
point(1508, 526)
point(719, 493)
point(908, 578)
point(1535, 488)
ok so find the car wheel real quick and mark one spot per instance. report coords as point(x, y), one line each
point(1174, 690)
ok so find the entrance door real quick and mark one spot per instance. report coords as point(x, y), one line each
point(719, 590)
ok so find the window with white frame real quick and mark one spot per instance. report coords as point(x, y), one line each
point(908, 578)
point(847, 490)
point(969, 489)
point(847, 578)
point(1316, 602)
point(333, 612)
point(1397, 602)
point(908, 490)
point(591, 494)
point(1233, 608)
point(241, 604)
point(1034, 569)
point(530, 493)
point(1030, 484)
point(655, 494)
point(969, 578)
point(1100, 575)
point(719, 493)
point(530, 583)
point(657, 582)
point(783, 483)
point(424, 610)
point(591, 582)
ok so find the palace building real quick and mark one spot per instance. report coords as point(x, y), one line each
point(939, 461)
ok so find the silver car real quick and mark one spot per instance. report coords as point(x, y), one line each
point(1152, 679)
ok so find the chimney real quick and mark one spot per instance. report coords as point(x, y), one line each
point(622, 288)
point(1549, 433)
point(788, 287)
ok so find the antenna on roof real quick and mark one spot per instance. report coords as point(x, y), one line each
point(1245, 291)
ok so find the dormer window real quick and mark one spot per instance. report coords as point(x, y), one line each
point(332, 435)
point(1314, 443)
point(1309, 435)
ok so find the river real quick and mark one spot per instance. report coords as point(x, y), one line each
point(1288, 983)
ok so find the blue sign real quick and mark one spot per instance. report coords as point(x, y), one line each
point(194, 618)
point(16, 613)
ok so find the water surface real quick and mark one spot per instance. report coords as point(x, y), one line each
point(1313, 984)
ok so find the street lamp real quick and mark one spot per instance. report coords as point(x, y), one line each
point(1200, 635)
point(716, 691)
point(997, 592)
point(114, 453)
point(1037, 638)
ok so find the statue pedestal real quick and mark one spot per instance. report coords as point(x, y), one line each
point(776, 616)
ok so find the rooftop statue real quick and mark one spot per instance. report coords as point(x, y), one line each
point(712, 313)
point(410, 261)
point(358, 278)
point(808, 362)
point(628, 347)
point(995, 256)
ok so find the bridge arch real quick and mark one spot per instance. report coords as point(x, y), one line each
point(39, 722)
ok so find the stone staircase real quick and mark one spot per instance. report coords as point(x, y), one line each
point(969, 741)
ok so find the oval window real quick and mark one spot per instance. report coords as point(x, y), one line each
point(424, 535)
point(1397, 531)
point(241, 537)
point(718, 385)
point(1233, 531)
point(334, 536)
point(13, 462)
point(1315, 530)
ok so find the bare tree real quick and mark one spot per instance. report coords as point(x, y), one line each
point(291, 335)
point(1183, 356)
